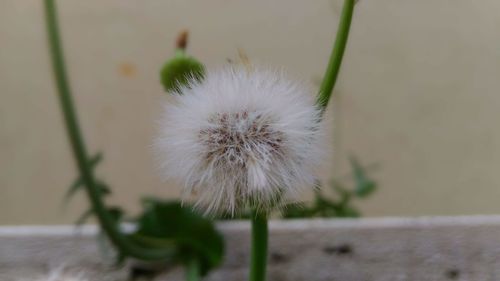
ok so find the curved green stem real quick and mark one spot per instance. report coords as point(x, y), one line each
point(107, 222)
point(258, 257)
point(193, 270)
point(335, 61)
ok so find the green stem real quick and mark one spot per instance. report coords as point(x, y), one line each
point(258, 260)
point(193, 270)
point(107, 222)
point(335, 61)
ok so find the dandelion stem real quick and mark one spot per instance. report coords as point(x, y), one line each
point(106, 220)
point(335, 61)
point(258, 260)
point(193, 270)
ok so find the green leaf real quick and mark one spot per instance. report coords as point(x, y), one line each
point(96, 159)
point(364, 185)
point(116, 212)
point(348, 212)
point(167, 223)
point(154, 242)
point(103, 188)
point(326, 208)
point(78, 183)
point(179, 71)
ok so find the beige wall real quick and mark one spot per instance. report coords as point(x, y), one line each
point(418, 93)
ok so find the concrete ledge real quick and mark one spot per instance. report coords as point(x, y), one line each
point(378, 249)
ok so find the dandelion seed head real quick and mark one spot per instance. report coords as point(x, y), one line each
point(240, 138)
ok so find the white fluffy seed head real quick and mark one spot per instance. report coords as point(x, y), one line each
point(240, 139)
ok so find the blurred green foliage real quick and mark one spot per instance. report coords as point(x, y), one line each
point(166, 225)
point(341, 205)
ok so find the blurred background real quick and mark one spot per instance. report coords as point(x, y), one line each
point(418, 95)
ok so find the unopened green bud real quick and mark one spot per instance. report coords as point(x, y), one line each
point(181, 69)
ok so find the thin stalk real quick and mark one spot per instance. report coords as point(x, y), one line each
point(193, 270)
point(335, 61)
point(107, 222)
point(258, 257)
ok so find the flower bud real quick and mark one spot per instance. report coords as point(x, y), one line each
point(181, 69)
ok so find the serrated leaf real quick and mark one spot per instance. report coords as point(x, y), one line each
point(154, 242)
point(165, 223)
point(364, 185)
point(75, 186)
point(96, 159)
point(326, 207)
point(78, 183)
point(103, 188)
point(366, 188)
point(116, 212)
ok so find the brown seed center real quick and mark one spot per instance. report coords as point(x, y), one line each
point(235, 138)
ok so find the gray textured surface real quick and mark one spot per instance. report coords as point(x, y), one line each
point(454, 248)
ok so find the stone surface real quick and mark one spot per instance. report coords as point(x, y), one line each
point(442, 248)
